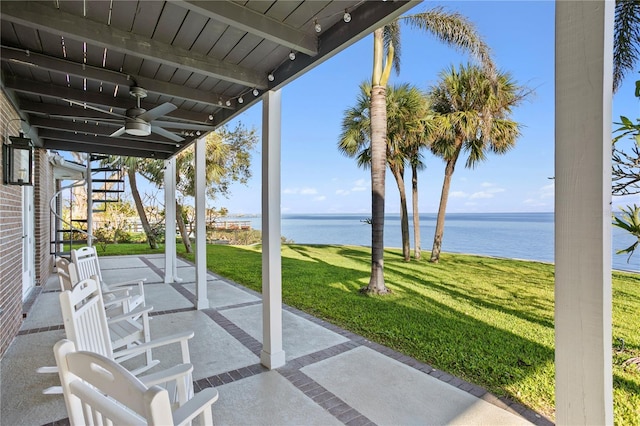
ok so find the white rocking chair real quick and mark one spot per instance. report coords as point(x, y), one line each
point(85, 324)
point(68, 278)
point(97, 390)
point(88, 265)
point(125, 330)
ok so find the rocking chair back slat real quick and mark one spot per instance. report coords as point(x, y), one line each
point(84, 319)
point(99, 391)
point(87, 263)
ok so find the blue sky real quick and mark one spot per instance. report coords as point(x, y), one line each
point(316, 178)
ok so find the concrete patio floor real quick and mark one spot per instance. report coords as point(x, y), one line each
point(331, 376)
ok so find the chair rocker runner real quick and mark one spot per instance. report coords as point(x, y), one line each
point(85, 324)
point(88, 265)
point(97, 390)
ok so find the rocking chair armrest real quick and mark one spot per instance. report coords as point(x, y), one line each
point(115, 301)
point(173, 373)
point(116, 291)
point(195, 406)
point(140, 310)
point(181, 338)
point(138, 282)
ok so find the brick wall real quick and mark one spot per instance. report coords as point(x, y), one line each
point(10, 240)
point(11, 231)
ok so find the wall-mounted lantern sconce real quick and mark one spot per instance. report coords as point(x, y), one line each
point(17, 161)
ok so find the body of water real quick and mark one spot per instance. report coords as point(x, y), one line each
point(511, 235)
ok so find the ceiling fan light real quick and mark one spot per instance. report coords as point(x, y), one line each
point(137, 128)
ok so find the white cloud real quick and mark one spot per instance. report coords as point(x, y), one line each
point(534, 203)
point(487, 184)
point(458, 194)
point(342, 192)
point(360, 185)
point(481, 194)
point(303, 191)
point(486, 194)
point(548, 191)
point(541, 198)
point(320, 198)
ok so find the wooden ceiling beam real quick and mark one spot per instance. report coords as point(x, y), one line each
point(75, 146)
point(64, 66)
point(42, 17)
point(102, 100)
point(255, 23)
point(92, 139)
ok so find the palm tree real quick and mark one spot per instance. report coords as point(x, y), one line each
point(132, 165)
point(472, 115)
point(626, 39)
point(406, 109)
point(450, 28)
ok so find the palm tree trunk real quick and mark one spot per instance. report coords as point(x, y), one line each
point(151, 238)
point(416, 213)
point(404, 215)
point(448, 173)
point(183, 228)
point(378, 165)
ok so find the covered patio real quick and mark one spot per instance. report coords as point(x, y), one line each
point(68, 69)
point(331, 376)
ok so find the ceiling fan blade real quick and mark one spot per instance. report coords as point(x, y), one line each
point(182, 125)
point(87, 106)
point(119, 132)
point(158, 111)
point(167, 134)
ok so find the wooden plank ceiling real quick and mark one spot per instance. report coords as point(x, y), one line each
point(71, 67)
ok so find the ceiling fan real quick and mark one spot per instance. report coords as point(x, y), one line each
point(137, 120)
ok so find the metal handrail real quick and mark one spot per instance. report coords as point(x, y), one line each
point(52, 206)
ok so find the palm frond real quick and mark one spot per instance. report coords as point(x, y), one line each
point(626, 39)
point(630, 222)
point(391, 36)
point(454, 30)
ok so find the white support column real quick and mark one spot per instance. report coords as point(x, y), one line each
point(584, 42)
point(170, 220)
point(272, 355)
point(89, 202)
point(202, 299)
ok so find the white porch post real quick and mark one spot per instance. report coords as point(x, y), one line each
point(272, 355)
point(202, 301)
point(170, 263)
point(584, 42)
point(89, 202)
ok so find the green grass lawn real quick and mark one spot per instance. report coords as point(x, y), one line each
point(488, 321)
